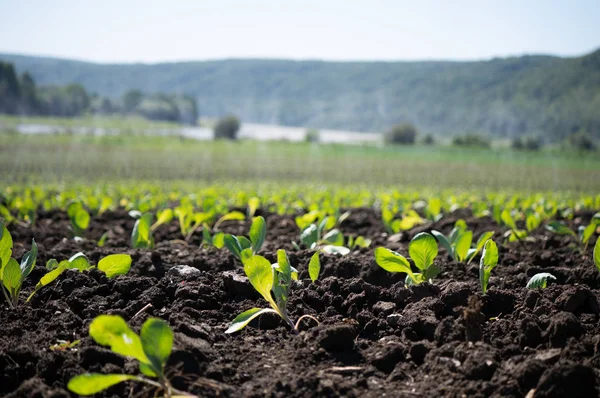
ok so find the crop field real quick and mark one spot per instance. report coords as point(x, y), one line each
point(137, 265)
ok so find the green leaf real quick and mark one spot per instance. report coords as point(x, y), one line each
point(79, 261)
point(112, 331)
point(28, 260)
point(51, 264)
point(392, 261)
point(243, 319)
point(11, 275)
point(596, 254)
point(334, 237)
point(218, 240)
point(82, 219)
point(231, 216)
point(163, 217)
point(422, 250)
point(102, 240)
point(157, 343)
point(559, 228)
point(314, 267)
point(258, 232)
point(92, 383)
point(431, 272)
point(244, 242)
point(115, 264)
point(443, 240)
point(532, 222)
point(253, 204)
point(233, 245)
point(540, 280)
point(361, 242)
point(141, 237)
point(489, 260)
point(283, 263)
point(6, 244)
point(260, 274)
point(507, 219)
point(479, 245)
point(463, 244)
point(331, 249)
point(49, 278)
point(309, 235)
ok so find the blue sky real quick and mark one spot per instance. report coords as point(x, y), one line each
point(154, 31)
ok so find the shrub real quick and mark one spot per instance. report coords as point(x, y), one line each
point(471, 140)
point(581, 141)
point(227, 128)
point(404, 133)
point(429, 140)
point(312, 135)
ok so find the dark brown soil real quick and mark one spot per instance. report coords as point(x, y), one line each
point(376, 337)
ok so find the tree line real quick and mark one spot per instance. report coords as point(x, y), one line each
point(19, 95)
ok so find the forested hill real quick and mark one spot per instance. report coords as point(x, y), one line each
point(529, 95)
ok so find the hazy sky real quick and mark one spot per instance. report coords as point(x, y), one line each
point(151, 31)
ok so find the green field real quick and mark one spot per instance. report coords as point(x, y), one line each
point(89, 158)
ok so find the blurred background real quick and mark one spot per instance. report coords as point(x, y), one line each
point(501, 95)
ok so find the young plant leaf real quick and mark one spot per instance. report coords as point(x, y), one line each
point(231, 216)
point(479, 245)
point(392, 261)
point(103, 239)
point(49, 278)
point(260, 274)
point(115, 264)
point(489, 260)
point(423, 249)
point(258, 232)
point(540, 280)
point(6, 244)
point(157, 343)
point(309, 235)
point(162, 217)
point(445, 242)
point(463, 244)
point(596, 254)
point(79, 261)
point(92, 383)
point(314, 267)
point(232, 244)
point(334, 237)
point(112, 331)
point(507, 219)
point(11, 276)
point(28, 260)
point(141, 237)
point(51, 264)
point(243, 319)
point(559, 228)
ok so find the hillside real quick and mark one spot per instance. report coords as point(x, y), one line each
point(529, 95)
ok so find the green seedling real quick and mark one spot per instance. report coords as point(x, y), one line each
point(103, 239)
point(12, 274)
point(433, 210)
point(359, 242)
point(151, 348)
point(236, 244)
point(422, 249)
point(64, 345)
point(409, 220)
point(253, 205)
point(586, 233)
point(514, 234)
point(273, 282)
point(596, 254)
point(314, 267)
point(141, 236)
point(112, 265)
point(216, 240)
point(162, 217)
point(314, 236)
point(458, 243)
point(540, 280)
point(489, 260)
point(80, 218)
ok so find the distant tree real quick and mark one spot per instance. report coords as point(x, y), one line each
point(429, 140)
point(581, 141)
point(131, 99)
point(227, 128)
point(517, 144)
point(533, 143)
point(312, 135)
point(404, 133)
point(471, 140)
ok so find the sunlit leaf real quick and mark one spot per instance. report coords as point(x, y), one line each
point(115, 264)
point(422, 250)
point(314, 267)
point(92, 383)
point(243, 319)
point(540, 280)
